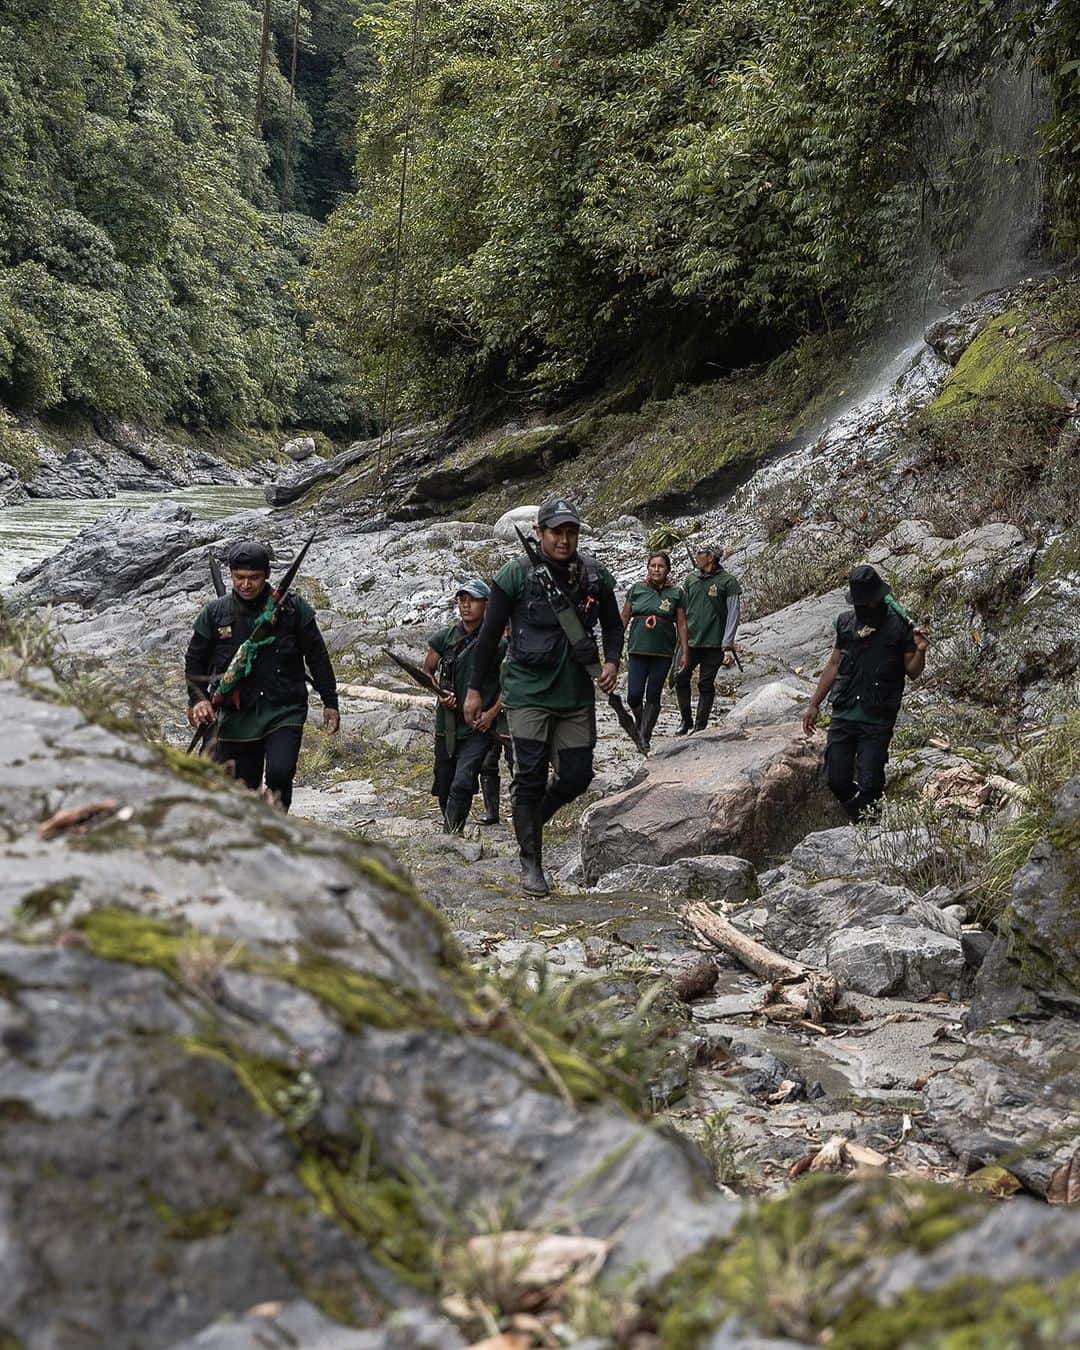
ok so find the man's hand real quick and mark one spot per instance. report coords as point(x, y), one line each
point(810, 717)
point(684, 660)
point(202, 713)
point(608, 677)
point(331, 720)
point(449, 700)
point(922, 642)
point(487, 719)
point(728, 658)
point(473, 711)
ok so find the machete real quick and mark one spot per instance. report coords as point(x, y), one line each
point(239, 668)
point(575, 631)
point(215, 573)
point(427, 681)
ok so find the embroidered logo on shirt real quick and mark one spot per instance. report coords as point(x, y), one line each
point(713, 591)
point(665, 605)
point(225, 632)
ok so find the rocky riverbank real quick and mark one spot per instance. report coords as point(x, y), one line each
point(951, 922)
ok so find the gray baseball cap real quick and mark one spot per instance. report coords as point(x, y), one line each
point(557, 511)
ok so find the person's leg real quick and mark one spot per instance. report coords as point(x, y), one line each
point(530, 729)
point(443, 775)
point(471, 753)
point(654, 692)
point(490, 784)
point(871, 756)
point(682, 691)
point(246, 757)
point(636, 675)
point(572, 740)
point(840, 742)
point(282, 748)
point(712, 658)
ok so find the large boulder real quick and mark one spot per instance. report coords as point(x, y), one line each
point(243, 1062)
point(716, 792)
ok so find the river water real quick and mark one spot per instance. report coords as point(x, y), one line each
point(40, 528)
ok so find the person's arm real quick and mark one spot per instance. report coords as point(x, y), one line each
point(197, 661)
point(828, 678)
point(318, 662)
point(915, 660)
point(684, 637)
point(626, 613)
point(614, 635)
point(486, 651)
point(734, 607)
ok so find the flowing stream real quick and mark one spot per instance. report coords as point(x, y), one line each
point(41, 528)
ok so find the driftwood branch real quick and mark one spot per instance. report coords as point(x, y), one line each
point(798, 993)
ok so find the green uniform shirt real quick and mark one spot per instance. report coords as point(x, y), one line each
point(565, 685)
point(706, 603)
point(264, 716)
point(444, 642)
point(653, 627)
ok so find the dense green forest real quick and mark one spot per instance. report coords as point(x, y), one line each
point(589, 184)
point(152, 245)
point(692, 180)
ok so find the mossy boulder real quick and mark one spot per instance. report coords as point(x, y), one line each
point(242, 1060)
point(479, 464)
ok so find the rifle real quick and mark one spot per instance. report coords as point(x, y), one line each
point(570, 622)
point(426, 681)
point(239, 668)
point(215, 573)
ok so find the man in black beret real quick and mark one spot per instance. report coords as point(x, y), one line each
point(261, 729)
point(877, 648)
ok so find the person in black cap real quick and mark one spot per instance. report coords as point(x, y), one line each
point(262, 734)
point(549, 696)
point(461, 755)
point(877, 648)
point(711, 598)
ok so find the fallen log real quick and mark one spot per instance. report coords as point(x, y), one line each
point(371, 694)
point(797, 993)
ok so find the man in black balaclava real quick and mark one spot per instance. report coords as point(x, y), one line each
point(264, 732)
point(877, 648)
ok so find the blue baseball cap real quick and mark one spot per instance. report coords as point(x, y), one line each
point(478, 589)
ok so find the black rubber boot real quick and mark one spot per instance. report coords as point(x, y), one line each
point(704, 708)
point(530, 835)
point(648, 721)
point(489, 787)
point(635, 712)
point(457, 813)
point(683, 695)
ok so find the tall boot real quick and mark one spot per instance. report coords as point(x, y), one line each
point(489, 787)
point(648, 721)
point(635, 713)
point(683, 696)
point(530, 836)
point(442, 809)
point(704, 708)
point(457, 813)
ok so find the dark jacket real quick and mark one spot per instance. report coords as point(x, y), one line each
point(872, 674)
point(536, 636)
point(278, 669)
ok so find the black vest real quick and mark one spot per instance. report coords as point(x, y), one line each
point(278, 669)
point(871, 674)
point(536, 636)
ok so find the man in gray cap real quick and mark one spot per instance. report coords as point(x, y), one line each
point(712, 618)
point(461, 747)
point(549, 694)
point(262, 727)
point(877, 647)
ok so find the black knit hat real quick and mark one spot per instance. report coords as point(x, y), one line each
point(865, 587)
point(249, 555)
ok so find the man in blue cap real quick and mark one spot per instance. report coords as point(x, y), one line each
point(461, 747)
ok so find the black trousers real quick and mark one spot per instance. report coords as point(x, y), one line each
point(710, 659)
point(645, 678)
point(458, 774)
point(855, 757)
point(275, 754)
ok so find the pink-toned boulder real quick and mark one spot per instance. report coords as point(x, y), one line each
point(735, 792)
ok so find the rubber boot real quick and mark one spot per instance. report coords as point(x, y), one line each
point(442, 810)
point(457, 813)
point(683, 695)
point(648, 721)
point(530, 835)
point(635, 712)
point(489, 787)
point(704, 708)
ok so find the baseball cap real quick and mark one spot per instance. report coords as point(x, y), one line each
point(478, 589)
point(557, 511)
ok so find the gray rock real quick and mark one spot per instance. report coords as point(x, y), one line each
point(865, 853)
point(715, 878)
point(716, 792)
point(300, 1326)
point(951, 336)
point(893, 961)
point(299, 448)
point(12, 490)
point(523, 517)
point(780, 701)
point(800, 635)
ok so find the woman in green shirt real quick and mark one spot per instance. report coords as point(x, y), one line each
point(656, 617)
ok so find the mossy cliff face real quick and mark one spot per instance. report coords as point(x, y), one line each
point(243, 1061)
